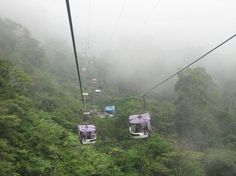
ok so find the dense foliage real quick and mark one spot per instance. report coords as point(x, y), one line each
point(194, 133)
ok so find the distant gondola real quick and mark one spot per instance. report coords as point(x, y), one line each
point(87, 113)
point(139, 125)
point(97, 91)
point(110, 110)
point(87, 134)
point(85, 94)
point(94, 80)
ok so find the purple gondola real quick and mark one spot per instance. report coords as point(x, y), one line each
point(87, 134)
point(139, 125)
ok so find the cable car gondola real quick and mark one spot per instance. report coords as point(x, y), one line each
point(139, 125)
point(94, 80)
point(87, 134)
point(83, 69)
point(85, 94)
point(110, 110)
point(87, 113)
point(97, 91)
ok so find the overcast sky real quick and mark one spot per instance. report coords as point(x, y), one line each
point(171, 30)
point(167, 22)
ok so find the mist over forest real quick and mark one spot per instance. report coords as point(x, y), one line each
point(156, 47)
point(128, 47)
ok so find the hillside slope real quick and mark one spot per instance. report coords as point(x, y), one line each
point(40, 108)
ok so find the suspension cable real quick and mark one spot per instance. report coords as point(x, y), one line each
point(117, 23)
point(89, 30)
point(74, 48)
point(204, 55)
point(146, 19)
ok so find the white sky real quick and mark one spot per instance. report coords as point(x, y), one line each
point(182, 22)
point(177, 28)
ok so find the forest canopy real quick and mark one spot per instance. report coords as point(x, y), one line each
point(193, 131)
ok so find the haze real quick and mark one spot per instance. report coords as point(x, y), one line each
point(154, 37)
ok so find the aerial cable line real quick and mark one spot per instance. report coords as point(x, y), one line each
point(74, 47)
point(117, 23)
point(89, 30)
point(111, 97)
point(204, 55)
point(146, 19)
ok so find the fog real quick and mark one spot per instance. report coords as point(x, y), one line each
point(143, 41)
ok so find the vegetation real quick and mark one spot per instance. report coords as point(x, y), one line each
point(194, 133)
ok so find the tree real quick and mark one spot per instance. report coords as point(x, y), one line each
point(196, 96)
point(220, 163)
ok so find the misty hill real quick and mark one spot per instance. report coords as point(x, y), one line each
point(194, 130)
